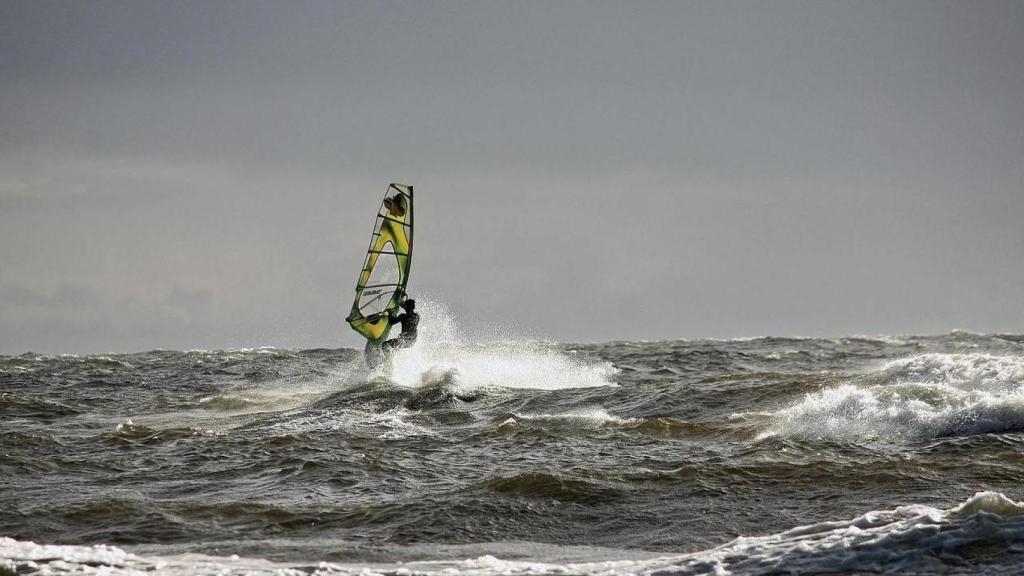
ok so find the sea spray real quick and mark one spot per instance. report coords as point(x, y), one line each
point(442, 353)
point(926, 396)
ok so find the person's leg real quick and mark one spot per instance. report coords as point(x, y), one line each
point(405, 340)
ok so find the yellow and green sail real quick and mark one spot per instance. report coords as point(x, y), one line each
point(381, 285)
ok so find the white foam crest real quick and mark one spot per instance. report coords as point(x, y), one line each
point(15, 553)
point(964, 371)
point(912, 538)
point(594, 416)
point(922, 397)
point(442, 354)
point(908, 538)
point(126, 426)
point(989, 502)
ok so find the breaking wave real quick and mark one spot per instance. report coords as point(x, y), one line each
point(926, 396)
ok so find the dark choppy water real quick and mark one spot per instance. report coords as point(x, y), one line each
point(505, 457)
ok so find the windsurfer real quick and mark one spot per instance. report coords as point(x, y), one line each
point(377, 353)
point(410, 321)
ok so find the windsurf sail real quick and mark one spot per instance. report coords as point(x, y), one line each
point(381, 285)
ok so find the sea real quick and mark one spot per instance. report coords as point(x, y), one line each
point(512, 455)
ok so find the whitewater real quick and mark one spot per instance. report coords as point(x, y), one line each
point(507, 455)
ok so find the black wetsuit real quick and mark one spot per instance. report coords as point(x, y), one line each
point(410, 321)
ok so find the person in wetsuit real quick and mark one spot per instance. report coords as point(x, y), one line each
point(409, 321)
point(375, 354)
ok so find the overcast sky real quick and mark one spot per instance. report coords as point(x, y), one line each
point(205, 174)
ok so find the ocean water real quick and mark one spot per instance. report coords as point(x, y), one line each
point(767, 455)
